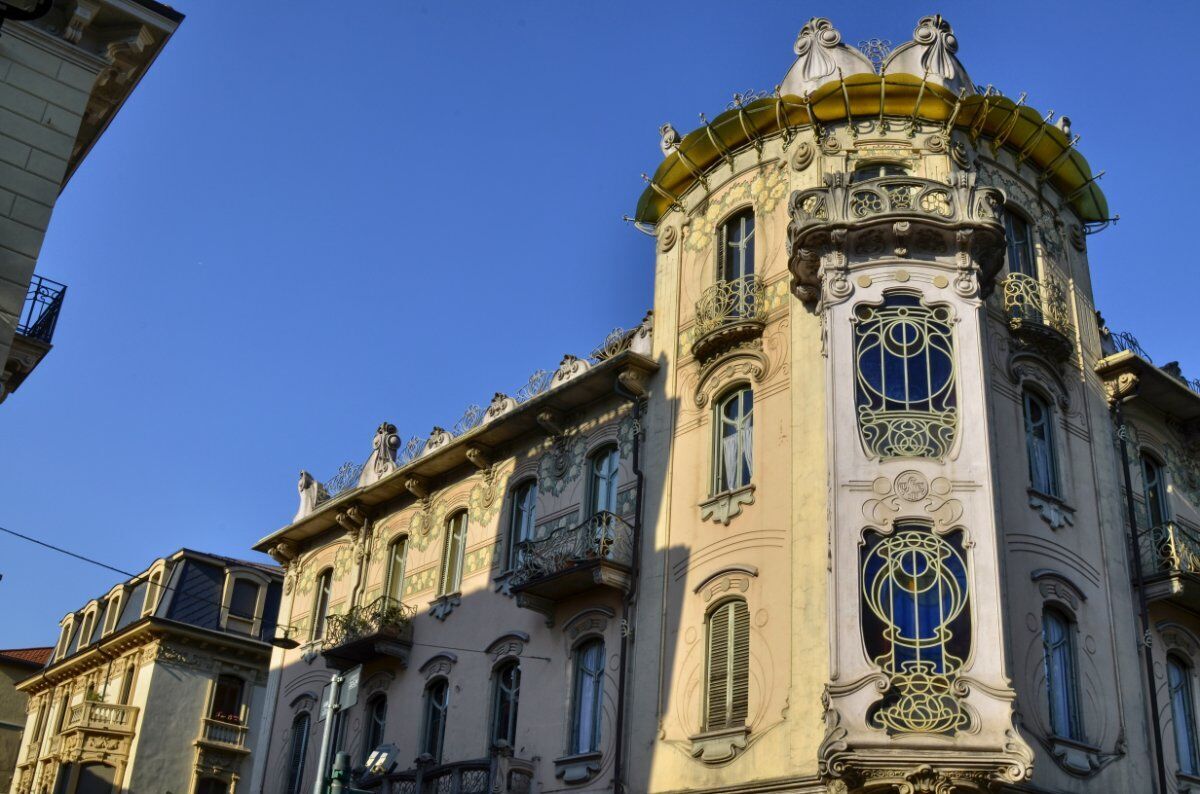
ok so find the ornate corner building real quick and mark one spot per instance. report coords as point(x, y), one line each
point(159, 685)
point(870, 502)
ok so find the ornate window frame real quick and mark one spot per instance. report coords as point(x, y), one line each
point(403, 536)
point(601, 448)
point(321, 601)
point(719, 239)
point(428, 707)
point(369, 721)
point(244, 574)
point(1163, 489)
point(498, 690)
point(1015, 210)
point(893, 426)
point(722, 504)
point(114, 603)
point(66, 631)
point(512, 544)
point(1053, 508)
point(87, 624)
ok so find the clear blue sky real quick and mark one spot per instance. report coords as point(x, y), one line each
point(307, 221)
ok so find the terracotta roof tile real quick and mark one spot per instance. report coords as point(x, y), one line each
point(30, 656)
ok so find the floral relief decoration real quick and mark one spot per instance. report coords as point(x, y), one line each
point(766, 190)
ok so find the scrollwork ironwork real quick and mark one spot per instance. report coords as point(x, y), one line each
point(345, 478)
point(605, 536)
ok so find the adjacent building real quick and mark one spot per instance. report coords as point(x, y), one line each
point(871, 501)
point(158, 685)
point(66, 67)
point(16, 664)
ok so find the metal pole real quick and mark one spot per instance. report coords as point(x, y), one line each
point(1143, 609)
point(341, 769)
point(335, 685)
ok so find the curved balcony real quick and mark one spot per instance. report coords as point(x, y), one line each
point(882, 217)
point(729, 312)
point(381, 628)
point(1170, 556)
point(1039, 314)
point(571, 560)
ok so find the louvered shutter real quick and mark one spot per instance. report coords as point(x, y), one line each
point(727, 693)
point(740, 664)
point(299, 748)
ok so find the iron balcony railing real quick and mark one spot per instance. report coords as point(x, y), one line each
point(1169, 548)
point(95, 715)
point(229, 734)
point(730, 302)
point(40, 313)
point(1043, 303)
point(496, 775)
point(605, 537)
point(383, 617)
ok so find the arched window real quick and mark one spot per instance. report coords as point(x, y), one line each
point(433, 733)
point(321, 603)
point(736, 251)
point(602, 488)
point(587, 697)
point(452, 553)
point(211, 785)
point(904, 359)
point(396, 557)
point(153, 591)
point(1039, 443)
point(916, 624)
point(506, 688)
point(1154, 483)
point(112, 611)
point(376, 722)
point(227, 700)
point(64, 638)
point(300, 724)
point(876, 170)
point(1020, 245)
point(727, 666)
point(87, 629)
point(733, 441)
point(522, 519)
point(1062, 683)
point(1183, 713)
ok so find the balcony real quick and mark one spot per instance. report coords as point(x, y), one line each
point(901, 216)
point(95, 716)
point(1170, 556)
point(223, 734)
point(34, 332)
point(500, 774)
point(1039, 314)
point(572, 560)
point(727, 313)
point(381, 628)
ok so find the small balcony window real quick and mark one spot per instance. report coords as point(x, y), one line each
point(1020, 245)
point(396, 558)
point(522, 519)
point(227, 700)
point(602, 491)
point(1155, 489)
point(452, 557)
point(321, 603)
point(737, 247)
point(877, 170)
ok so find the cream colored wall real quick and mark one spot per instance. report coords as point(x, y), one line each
point(774, 552)
point(44, 88)
point(482, 617)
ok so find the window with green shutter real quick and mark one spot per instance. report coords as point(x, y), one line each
point(727, 674)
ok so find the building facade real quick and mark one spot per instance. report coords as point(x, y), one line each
point(853, 510)
point(159, 685)
point(66, 67)
point(15, 665)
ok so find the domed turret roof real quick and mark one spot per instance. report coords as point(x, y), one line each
point(830, 82)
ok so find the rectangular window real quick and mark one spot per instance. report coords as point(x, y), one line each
point(397, 551)
point(436, 703)
point(1183, 715)
point(602, 493)
point(243, 606)
point(1020, 245)
point(733, 442)
point(227, 700)
point(112, 611)
point(1061, 683)
point(522, 520)
point(587, 697)
point(452, 561)
point(321, 604)
point(506, 687)
point(1039, 443)
point(727, 692)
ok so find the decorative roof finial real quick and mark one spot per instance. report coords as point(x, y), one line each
point(819, 55)
point(931, 54)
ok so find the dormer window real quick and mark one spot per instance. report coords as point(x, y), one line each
point(876, 170)
point(112, 611)
point(242, 602)
point(64, 638)
point(154, 587)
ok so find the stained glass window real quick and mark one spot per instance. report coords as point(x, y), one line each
point(1183, 714)
point(733, 453)
point(904, 357)
point(1039, 443)
point(916, 626)
point(1062, 687)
